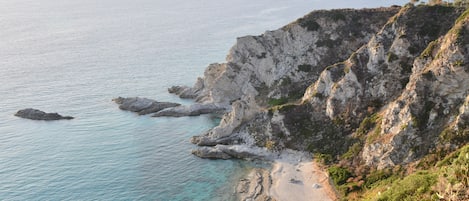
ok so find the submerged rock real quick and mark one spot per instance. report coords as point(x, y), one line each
point(142, 106)
point(35, 114)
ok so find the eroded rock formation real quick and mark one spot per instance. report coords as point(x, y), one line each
point(379, 91)
point(142, 106)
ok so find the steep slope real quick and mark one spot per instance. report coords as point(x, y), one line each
point(368, 96)
point(376, 98)
point(354, 93)
point(399, 101)
point(288, 58)
point(345, 104)
point(435, 99)
point(279, 65)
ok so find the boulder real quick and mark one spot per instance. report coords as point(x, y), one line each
point(35, 114)
point(142, 106)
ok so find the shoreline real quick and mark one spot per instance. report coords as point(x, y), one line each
point(290, 177)
point(303, 181)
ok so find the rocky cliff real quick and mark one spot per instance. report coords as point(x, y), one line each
point(371, 89)
point(279, 65)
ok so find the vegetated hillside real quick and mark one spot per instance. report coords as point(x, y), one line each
point(397, 105)
point(385, 103)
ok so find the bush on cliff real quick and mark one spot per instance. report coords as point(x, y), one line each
point(339, 175)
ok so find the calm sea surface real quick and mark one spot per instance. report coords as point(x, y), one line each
point(73, 57)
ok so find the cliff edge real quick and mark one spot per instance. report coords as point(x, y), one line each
point(370, 92)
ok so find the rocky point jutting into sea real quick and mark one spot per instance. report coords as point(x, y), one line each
point(373, 93)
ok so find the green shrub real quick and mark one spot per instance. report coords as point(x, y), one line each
point(294, 95)
point(323, 158)
point(377, 176)
point(428, 52)
point(454, 177)
point(392, 57)
point(347, 69)
point(275, 102)
point(305, 67)
point(353, 151)
point(367, 124)
point(459, 63)
point(413, 187)
point(309, 24)
point(457, 137)
point(420, 120)
point(339, 175)
point(327, 43)
point(336, 16)
point(432, 30)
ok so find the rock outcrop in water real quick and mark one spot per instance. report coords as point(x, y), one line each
point(191, 110)
point(221, 151)
point(142, 106)
point(368, 93)
point(35, 114)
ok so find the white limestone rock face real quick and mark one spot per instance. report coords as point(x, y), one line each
point(289, 58)
point(386, 95)
point(438, 89)
point(347, 79)
point(281, 63)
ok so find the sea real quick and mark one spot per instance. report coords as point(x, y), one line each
point(74, 56)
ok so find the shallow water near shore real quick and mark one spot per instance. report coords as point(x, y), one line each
point(74, 57)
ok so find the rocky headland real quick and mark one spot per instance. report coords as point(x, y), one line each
point(35, 114)
point(376, 94)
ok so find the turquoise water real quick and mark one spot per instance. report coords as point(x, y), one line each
point(73, 57)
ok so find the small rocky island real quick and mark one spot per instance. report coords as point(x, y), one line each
point(35, 114)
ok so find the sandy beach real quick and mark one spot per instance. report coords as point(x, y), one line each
point(301, 182)
point(293, 177)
